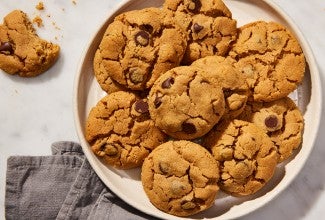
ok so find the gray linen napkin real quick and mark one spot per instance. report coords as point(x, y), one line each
point(61, 186)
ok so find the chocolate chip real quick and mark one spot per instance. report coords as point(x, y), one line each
point(136, 75)
point(141, 106)
point(164, 167)
point(177, 187)
point(142, 38)
point(271, 121)
point(195, 6)
point(188, 128)
point(147, 27)
point(168, 83)
point(158, 101)
point(197, 28)
point(6, 47)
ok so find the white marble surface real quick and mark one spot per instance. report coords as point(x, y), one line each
point(38, 111)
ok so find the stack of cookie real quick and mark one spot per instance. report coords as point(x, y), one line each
point(196, 102)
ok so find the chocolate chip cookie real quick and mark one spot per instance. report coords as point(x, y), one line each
point(180, 178)
point(271, 59)
point(120, 131)
point(104, 80)
point(281, 120)
point(247, 156)
point(230, 79)
point(22, 51)
point(186, 102)
point(139, 46)
point(209, 26)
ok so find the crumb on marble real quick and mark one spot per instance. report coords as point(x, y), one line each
point(74, 2)
point(40, 6)
point(38, 20)
point(55, 26)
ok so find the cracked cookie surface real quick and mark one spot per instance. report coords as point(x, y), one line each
point(140, 45)
point(230, 79)
point(106, 82)
point(120, 131)
point(22, 51)
point(209, 26)
point(180, 178)
point(186, 102)
point(271, 59)
point(247, 156)
point(281, 119)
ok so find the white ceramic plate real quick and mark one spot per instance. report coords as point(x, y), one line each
point(127, 184)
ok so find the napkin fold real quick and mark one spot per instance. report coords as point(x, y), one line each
point(61, 186)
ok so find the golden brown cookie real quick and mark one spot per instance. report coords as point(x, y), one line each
point(140, 45)
point(104, 80)
point(247, 156)
point(281, 120)
point(271, 59)
point(180, 178)
point(120, 131)
point(22, 52)
point(230, 79)
point(186, 102)
point(209, 25)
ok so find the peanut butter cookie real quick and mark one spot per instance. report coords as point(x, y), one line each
point(230, 79)
point(271, 59)
point(139, 46)
point(22, 52)
point(186, 102)
point(281, 120)
point(180, 178)
point(120, 131)
point(208, 24)
point(247, 156)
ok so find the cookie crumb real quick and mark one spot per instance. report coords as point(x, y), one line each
point(74, 2)
point(38, 20)
point(40, 6)
point(55, 26)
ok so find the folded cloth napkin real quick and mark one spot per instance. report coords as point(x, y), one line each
point(61, 186)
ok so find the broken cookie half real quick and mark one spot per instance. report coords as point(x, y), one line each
point(22, 51)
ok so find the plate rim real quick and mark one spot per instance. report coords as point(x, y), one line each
point(316, 94)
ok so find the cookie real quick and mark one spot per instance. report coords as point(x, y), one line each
point(180, 178)
point(120, 131)
point(271, 59)
point(281, 120)
point(209, 26)
point(230, 79)
point(139, 46)
point(104, 80)
point(186, 102)
point(22, 51)
point(247, 156)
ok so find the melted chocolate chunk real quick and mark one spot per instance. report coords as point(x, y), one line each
point(196, 7)
point(147, 27)
point(271, 121)
point(158, 101)
point(168, 83)
point(142, 38)
point(6, 47)
point(188, 128)
point(141, 106)
point(197, 28)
